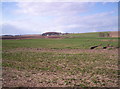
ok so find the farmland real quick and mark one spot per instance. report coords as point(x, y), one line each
point(62, 62)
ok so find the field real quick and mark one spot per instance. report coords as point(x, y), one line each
point(61, 62)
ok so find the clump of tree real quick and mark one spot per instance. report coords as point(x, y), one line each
point(103, 34)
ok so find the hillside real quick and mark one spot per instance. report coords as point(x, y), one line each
point(69, 35)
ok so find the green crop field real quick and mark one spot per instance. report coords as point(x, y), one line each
point(63, 62)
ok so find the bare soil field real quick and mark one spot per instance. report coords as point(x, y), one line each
point(30, 37)
point(114, 34)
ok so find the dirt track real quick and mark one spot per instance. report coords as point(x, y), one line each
point(70, 51)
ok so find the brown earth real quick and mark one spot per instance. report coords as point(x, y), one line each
point(114, 34)
point(69, 51)
point(29, 37)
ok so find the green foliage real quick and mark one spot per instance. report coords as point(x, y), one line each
point(67, 43)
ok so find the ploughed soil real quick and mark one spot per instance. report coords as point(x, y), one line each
point(29, 37)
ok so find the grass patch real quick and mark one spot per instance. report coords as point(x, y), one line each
point(67, 43)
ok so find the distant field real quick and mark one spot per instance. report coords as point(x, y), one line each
point(61, 62)
point(71, 42)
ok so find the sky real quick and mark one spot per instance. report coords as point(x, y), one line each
point(20, 18)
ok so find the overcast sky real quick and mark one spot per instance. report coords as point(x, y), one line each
point(70, 17)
